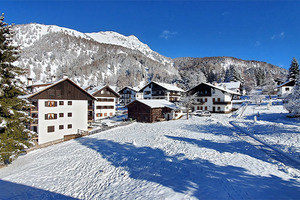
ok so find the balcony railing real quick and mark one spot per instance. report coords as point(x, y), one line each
point(222, 102)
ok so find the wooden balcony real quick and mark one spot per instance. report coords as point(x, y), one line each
point(222, 102)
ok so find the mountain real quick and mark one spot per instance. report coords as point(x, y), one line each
point(50, 52)
point(225, 69)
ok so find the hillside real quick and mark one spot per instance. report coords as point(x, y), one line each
point(225, 69)
point(49, 52)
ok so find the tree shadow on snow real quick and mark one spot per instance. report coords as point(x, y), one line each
point(200, 177)
point(230, 147)
point(10, 190)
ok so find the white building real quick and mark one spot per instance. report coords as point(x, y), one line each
point(155, 90)
point(213, 98)
point(286, 88)
point(129, 94)
point(105, 103)
point(59, 109)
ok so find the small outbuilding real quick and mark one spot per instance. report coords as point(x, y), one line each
point(152, 110)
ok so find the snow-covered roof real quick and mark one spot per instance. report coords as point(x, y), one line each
point(95, 89)
point(231, 85)
point(289, 83)
point(167, 86)
point(136, 89)
point(218, 88)
point(158, 103)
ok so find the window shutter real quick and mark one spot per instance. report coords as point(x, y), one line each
point(46, 116)
point(55, 116)
point(55, 103)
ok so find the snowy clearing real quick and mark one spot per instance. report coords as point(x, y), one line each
point(199, 158)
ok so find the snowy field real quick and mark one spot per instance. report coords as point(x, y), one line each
point(199, 158)
point(272, 127)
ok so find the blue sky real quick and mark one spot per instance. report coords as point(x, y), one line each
point(253, 30)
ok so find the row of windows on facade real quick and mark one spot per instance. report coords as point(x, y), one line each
point(205, 100)
point(60, 127)
point(103, 114)
point(54, 115)
point(105, 100)
point(104, 107)
point(205, 108)
point(54, 103)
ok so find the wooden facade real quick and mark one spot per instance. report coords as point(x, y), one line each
point(63, 90)
point(144, 113)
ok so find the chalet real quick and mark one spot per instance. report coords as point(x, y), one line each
point(153, 110)
point(154, 90)
point(233, 86)
point(285, 88)
point(105, 103)
point(59, 109)
point(129, 94)
point(212, 98)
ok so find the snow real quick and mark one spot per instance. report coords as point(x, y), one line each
point(169, 87)
point(199, 158)
point(158, 103)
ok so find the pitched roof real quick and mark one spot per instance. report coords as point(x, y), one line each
point(101, 87)
point(55, 83)
point(231, 85)
point(167, 86)
point(157, 103)
point(218, 88)
point(288, 83)
point(136, 89)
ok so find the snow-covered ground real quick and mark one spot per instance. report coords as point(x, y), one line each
point(272, 127)
point(199, 158)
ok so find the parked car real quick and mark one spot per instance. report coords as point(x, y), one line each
point(197, 112)
point(205, 114)
point(202, 113)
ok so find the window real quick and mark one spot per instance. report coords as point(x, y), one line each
point(69, 126)
point(219, 99)
point(61, 103)
point(214, 100)
point(61, 127)
point(105, 114)
point(50, 104)
point(201, 107)
point(50, 129)
point(219, 108)
point(287, 89)
point(101, 114)
point(110, 114)
point(69, 103)
point(69, 114)
point(61, 114)
point(50, 116)
point(98, 115)
point(205, 99)
point(205, 107)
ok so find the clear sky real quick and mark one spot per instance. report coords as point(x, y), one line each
point(253, 30)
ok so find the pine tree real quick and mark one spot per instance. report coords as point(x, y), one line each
point(294, 70)
point(13, 133)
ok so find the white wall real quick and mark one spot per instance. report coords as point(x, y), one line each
point(107, 111)
point(79, 119)
point(224, 97)
point(284, 91)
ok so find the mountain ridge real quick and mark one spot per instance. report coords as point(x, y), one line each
point(110, 57)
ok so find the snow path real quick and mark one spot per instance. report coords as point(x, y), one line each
point(199, 158)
